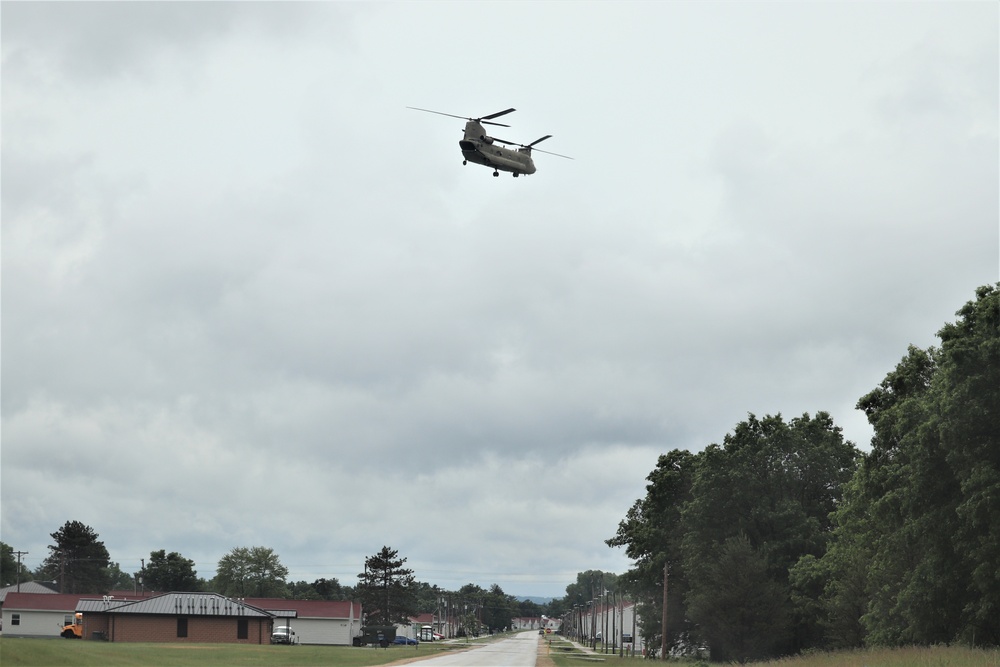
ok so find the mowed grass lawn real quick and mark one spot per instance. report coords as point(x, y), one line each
point(74, 653)
point(931, 656)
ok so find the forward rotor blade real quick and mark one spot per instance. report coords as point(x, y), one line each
point(440, 113)
point(480, 120)
point(538, 141)
point(498, 114)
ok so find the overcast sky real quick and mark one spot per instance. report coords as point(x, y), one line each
point(251, 299)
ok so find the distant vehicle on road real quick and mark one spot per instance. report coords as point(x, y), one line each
point(400, 639)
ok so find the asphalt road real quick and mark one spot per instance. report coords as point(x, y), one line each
point(517, 651)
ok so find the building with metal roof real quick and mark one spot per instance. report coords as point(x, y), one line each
point(177, 617)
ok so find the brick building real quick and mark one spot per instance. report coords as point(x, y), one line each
point(178, 617)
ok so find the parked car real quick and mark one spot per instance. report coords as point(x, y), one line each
point(400, 639)
point(284, 635)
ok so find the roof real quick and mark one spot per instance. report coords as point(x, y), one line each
point(37, 587)
point(309, 608)
point(174, 604)
point(64, 602)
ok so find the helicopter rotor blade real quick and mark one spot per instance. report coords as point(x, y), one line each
point(497, 114)
point(440, 113)
point(484, 120)
point(539, 150)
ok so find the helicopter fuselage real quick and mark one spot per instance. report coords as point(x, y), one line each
point(478, 147)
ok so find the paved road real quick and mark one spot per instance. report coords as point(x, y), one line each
point(517, 651)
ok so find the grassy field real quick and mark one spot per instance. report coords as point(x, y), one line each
point(563, 654)
point(60, 652)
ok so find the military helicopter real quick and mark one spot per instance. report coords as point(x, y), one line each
point(479, 147)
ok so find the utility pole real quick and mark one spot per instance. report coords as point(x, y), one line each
point(19, 554)
point(663, 637)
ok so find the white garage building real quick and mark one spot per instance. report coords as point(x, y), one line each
point(317, 621)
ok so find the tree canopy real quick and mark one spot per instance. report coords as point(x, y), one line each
point(787, 537)
point(251, 571)
point(918, 537)
point(78, 560)
point(170, 572)
point(386, 589)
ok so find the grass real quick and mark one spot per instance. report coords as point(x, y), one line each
point(914, 656)
point(60, 652)
point(565, 654)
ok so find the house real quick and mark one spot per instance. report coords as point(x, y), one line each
point(179, 617)
point(332, 622)
point(37, 614)
point(45, 588)
point(535, 623)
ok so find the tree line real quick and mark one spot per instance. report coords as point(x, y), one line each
point(78, 562)
point(786, 537)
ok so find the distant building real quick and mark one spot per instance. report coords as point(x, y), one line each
point(42, 587)
point(37, 614)
point(331, 622)
point(177, 618)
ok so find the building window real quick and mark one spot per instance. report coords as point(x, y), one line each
point(182, 627)
point(242, 628)
point(15, 619)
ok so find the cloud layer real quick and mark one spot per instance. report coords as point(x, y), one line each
point(250, 299)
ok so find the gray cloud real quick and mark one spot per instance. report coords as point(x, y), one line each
point(237, 272)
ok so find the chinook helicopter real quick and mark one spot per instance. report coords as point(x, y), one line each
point(479, 147)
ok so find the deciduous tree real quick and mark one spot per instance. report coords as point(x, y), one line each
point(251, 571)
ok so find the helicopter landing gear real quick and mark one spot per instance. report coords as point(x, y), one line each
point(515, 174)
point(465, 162)
point(496, 173)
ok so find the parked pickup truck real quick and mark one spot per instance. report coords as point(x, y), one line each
point(284, 635)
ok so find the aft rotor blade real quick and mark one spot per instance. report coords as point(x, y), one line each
point(539, 150)
point(538, 141)
point(490, 122)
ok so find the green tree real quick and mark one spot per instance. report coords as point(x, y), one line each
point(253, 571)
point(428, 597)
point(498, 609)
point(740, 607)
point(78, 560)
point(774, 484)
point(9, 567)
point(386, 589)
point(652, 533)
point(330, 589)
point(170, 572)
point(119, 580)
point(922, 515)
